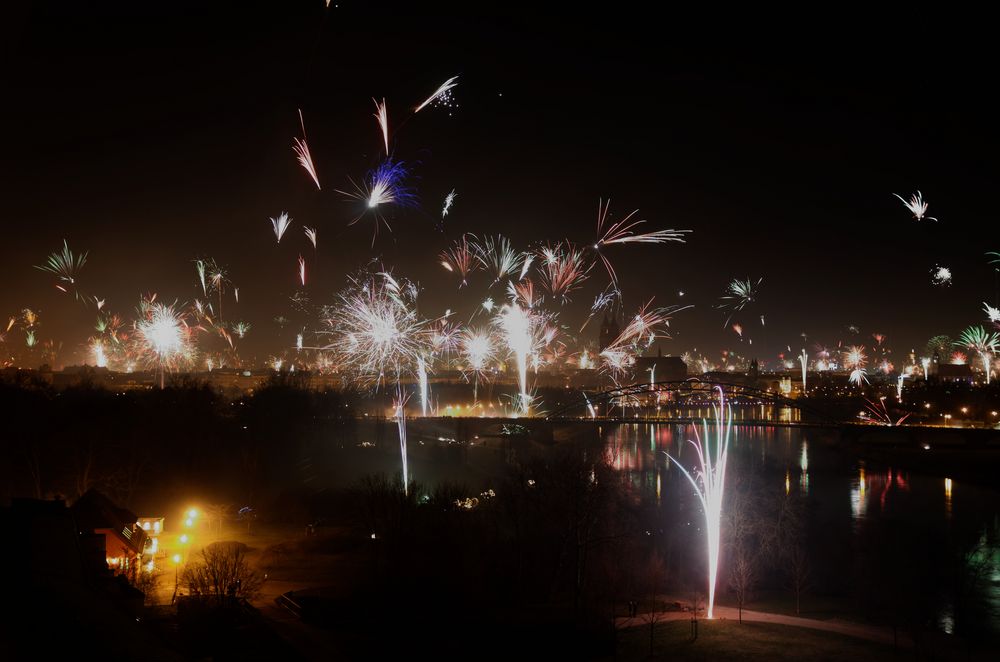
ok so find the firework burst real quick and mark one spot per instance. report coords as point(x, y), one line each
point(982, 342)
point(992, 313)
point(916, 205)
point(562, 269)
point(162, 336)
point(623, 232)
point(241, 329)
point(461, 259)
point(739, 294)
point(637, 336)
point(941, 276)
point(374, 328)
point(447, 85)
point(449, 200)
point(66, 267)
point(855, 360)
point(499, 257)
point(385, 185)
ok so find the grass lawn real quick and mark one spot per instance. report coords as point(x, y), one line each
point(749, 641)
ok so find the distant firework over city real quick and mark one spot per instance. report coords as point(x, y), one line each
point(513, 245)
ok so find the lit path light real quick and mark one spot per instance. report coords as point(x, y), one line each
point(709, 483)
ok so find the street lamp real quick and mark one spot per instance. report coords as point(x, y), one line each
point(177, 561)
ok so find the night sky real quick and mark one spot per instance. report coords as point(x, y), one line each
point(153, 135)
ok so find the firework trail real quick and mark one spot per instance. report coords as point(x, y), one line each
point(66, 267)
point(385, 185)
point(622, 232)
point(881, 412)
point(199, 266)
point(302, 152)
point(992, 313)
point(302, 270)
point(739, 294)
point(982, 342)
point(422, 382)
point(280, 225)
point(449, 200)
point(563, 270)
point(399, 404)
point(311, 236)
point(462, 259)
point(382, 117)
point(447, 85)
point(217, 278)
point(709, 482)
point(959, 358)
point(916, 205)
point(941, 276)
point(602, 301)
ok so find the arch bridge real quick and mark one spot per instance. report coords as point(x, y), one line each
point(656, 400)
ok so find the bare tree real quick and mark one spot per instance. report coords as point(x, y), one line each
point(655, 571)
point(742, 574)
point(799, 571)
point(147, 582)
point(743, 546)
point(222, 570)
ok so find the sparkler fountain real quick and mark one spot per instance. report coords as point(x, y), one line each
point(804, 360)
point(515, 322)
point(709, 483)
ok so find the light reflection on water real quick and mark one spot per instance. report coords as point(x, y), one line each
point(808, 461)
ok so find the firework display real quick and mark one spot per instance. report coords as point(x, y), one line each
point(373, 336)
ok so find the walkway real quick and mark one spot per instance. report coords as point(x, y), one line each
point(874, 633)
